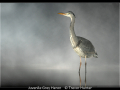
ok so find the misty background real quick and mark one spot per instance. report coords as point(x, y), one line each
point(36, 48)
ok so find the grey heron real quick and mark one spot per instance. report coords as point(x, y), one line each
point(83, 47)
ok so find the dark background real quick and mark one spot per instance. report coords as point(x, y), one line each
point(36, 49)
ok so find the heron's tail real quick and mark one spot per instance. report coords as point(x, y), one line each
point(95, 55)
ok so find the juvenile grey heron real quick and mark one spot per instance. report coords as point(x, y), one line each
point(81, 46)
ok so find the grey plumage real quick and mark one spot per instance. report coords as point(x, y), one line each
point(87, 47)
point(83, 47)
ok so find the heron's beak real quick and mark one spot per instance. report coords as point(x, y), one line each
point(62, 13)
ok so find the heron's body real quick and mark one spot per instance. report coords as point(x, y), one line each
point(84, 47)
point(81, 46)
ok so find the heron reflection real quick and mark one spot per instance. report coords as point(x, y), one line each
point(85, 75)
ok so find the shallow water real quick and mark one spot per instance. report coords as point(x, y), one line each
point(25, 77)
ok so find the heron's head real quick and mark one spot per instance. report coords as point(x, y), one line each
point(68, 14)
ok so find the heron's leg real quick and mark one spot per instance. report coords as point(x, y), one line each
point(80, 62)
point(85, 60)
point(80, 79)
point(85, 75)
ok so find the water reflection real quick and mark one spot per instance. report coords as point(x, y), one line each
point(105, 76)
point(85, 75)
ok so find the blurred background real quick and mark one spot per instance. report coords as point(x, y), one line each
point(36, 48)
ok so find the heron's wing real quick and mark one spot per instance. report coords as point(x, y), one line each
point(85, 45)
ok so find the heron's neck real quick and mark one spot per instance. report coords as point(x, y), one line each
point(73, 37)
